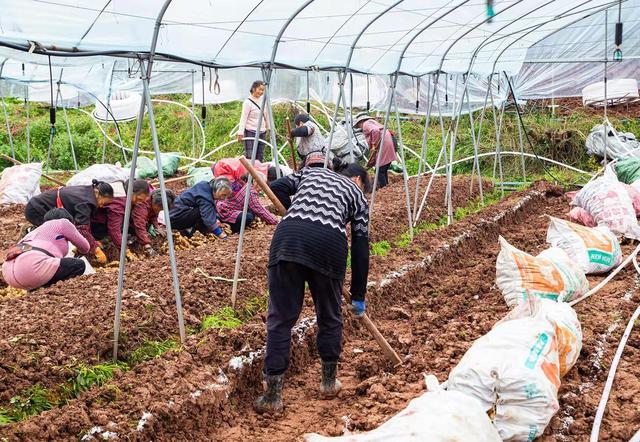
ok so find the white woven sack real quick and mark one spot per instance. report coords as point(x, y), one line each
point(596, 250)
point(550, 275)
point(108, 173)
point(435, 416)
point(514, 371)
point(608, 202)
point(19, 183)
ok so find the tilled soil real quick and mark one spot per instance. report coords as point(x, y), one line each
point(431, 300)
point(48, 332)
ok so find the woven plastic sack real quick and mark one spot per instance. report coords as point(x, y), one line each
point(514, 371)
point(170, 163)
point(581, 216)
point(198, 174)
point(19, 183)
point(437, 415)
point(108, 173)
point(634, 195)
point(595, 250)
point(628, 170)
point(551, 274)
point(608, 202)
point(145, 168)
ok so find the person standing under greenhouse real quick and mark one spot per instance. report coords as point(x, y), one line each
point(38, 260)
point(310, 246)
point(372, 131)
point(81, 202)
point(248, 127)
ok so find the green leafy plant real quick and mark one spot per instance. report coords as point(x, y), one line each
point(88, 376)
point(380, 248)
point(34, 400)
point(256, 304)
point(226, 317)
point(151, 350)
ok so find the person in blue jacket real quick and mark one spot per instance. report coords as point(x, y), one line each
point(195, 208)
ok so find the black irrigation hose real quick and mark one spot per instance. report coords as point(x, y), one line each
point(526, 133)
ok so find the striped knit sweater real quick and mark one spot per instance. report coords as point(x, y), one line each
point(313, 231)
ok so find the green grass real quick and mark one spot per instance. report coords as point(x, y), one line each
point(88, 376)
point(151, 350)
point(380, 248)
point(257, 304)
point(226, 317)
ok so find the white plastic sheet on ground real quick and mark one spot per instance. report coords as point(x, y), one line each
point(435, 416)
point(514, 370)
point(595, 250)
point(608, 202)
point(19, 183)
point(619, 144)
point(551, 274)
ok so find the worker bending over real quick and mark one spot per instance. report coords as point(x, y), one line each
point(310, 139)
point(38, 260)
point(310, 246)
point(230, 210)
point(233, 170)
point(146, 213)
point(195, 208)
point(80, 201)
point(372, 131)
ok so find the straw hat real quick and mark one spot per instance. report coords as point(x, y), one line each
point(362, 116)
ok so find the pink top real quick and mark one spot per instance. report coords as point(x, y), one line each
point(33, 269)
point(372, 132)
point(250, 114)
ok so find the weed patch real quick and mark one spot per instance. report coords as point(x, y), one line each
point(151, 350)
point(226, 317)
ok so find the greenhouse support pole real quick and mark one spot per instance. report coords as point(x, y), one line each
point(104, 138)
point(405, 175)
point(442, 154)
point(28, 129)
point(605, 124)
point(272, 133)
point(497, 160)
point(341, 76)
point(193, 113)
point(347, 120)
point(66, 120)
point(6, 120)
point(452, 149)
point(476, 160)
point(392, 89)
point(266, 74)
point(519, 123)
point(146, 74)
point(423, 149)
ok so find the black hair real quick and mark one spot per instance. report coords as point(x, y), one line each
point(272, 174)
point(354, 169)
point(156, 197)
point(104, 189)
point(301, 118)
point(58, 213)
point(139, 186)
point(255, 85)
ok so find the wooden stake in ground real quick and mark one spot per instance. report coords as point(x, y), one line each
point(287, 124)
point(53, 180)
point(382, 342)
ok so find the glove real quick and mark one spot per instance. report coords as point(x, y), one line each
point(130, 256)
point(152, 231)
point(149, 250)
point(358, 307)
point(101, 258)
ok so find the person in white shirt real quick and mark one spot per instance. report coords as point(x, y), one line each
point(248, 127)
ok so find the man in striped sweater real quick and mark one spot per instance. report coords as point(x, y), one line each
point(310, 246)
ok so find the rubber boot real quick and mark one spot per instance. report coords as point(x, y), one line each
point(271, 401)
point(329, 385)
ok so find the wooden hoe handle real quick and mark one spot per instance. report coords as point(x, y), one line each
point(258, 179)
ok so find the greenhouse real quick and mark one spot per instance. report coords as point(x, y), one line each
point(455, 185)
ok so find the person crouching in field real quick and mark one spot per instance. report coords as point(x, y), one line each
point(195, 208)
point(230, 210)
point(38, 260)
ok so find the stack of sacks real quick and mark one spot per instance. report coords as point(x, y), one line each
point(108, 173)
point(437, 415)
point(595, 250)
point(552, 275)
point(608, 202)
point(515, 369)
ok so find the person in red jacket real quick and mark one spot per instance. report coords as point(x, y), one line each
point(233, 170)
point(146, 214)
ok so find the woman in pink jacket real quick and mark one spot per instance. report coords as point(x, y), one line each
point(248, 127)
point(372, 131)
point(39, 258)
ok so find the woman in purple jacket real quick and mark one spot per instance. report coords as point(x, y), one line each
point(39, 258)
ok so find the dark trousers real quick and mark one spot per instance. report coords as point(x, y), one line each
point(248, 145)
point(383, 175)
point(183, 217)
point(235, 226)
point(69, 268)
point(100, 231)
point(286, 296)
